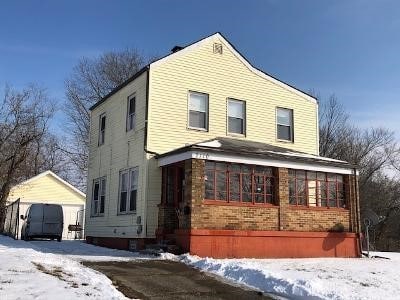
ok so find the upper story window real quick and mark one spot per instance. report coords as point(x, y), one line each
point(130, 118)
point(98, 196)
point(237, 183)
point(284, 124)
point(128, 186)
point(310, 188)
point(102, 128)
point(198, 111)
point(236, 116)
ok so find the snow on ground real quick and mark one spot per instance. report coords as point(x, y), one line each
point(314, 278)
point(51, 270)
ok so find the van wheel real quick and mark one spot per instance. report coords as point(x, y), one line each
point(59, 239)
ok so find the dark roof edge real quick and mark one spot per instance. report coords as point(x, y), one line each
point(252, 154)
point(125, 83)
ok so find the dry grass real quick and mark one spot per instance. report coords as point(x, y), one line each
point(59, 273)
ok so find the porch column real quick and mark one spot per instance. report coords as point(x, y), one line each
point(283, 197)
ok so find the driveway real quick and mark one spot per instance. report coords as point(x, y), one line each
point(163, 279)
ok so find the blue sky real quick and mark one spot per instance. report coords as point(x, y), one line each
point(350, 48)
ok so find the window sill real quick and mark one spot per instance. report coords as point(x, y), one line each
point(243, 204)
point(97, 216)
point(305, 207)
point(126, 213)
point(284, 141)
point(238, 135)
point(197, 129)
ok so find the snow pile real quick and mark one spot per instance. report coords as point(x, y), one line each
point(318, 278)
point(52, 270)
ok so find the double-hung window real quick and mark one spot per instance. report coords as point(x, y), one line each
point(102, 128)
point(130, 118)
point(236, 116)
point(98, 196)
point(284, 124)
point(128, 185)
point(198, 111)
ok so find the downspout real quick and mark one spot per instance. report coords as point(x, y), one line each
point(147, 113)
point(356, 194)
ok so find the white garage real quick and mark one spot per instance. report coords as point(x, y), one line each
point(47, 187)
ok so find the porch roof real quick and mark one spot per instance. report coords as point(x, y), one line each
point(230, 147)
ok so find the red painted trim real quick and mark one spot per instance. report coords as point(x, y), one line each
point(267, 244)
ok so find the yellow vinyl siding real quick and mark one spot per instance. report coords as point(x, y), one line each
point(45, 189)
point(221, 77)
point(121, 150)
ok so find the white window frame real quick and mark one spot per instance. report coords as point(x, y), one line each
point(131, 117)
point(206, 112)
point(96, 203)
point(291, 126)
point(131, 186)
point(243, 117)
point(102, 132)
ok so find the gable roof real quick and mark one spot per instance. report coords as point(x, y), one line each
point(198, 43)
point(54, 176)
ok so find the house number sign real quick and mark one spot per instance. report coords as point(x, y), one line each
point(201, 155)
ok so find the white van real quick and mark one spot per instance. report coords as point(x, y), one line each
point(43, 221)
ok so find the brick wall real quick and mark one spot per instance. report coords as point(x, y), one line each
point(281, 217)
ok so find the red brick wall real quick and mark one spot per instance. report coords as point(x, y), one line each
point(281, 217)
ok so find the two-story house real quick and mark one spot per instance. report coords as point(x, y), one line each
point(203, 149)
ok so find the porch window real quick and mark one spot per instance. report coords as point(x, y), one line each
point(130, 119)
point(316, 189)
point(238, 183)
point(236, 116)
point(98, 196)
point(198, 111)
point(128, 185)
point(172, 185)
point(284, 124)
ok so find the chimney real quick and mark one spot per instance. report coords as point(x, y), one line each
point(176, 49)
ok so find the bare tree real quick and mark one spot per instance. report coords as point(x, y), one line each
point(90, 81)
point(373, 151)
point(24, 117)
point(370, 149)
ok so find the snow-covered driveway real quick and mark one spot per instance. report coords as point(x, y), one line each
point(52, 270)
